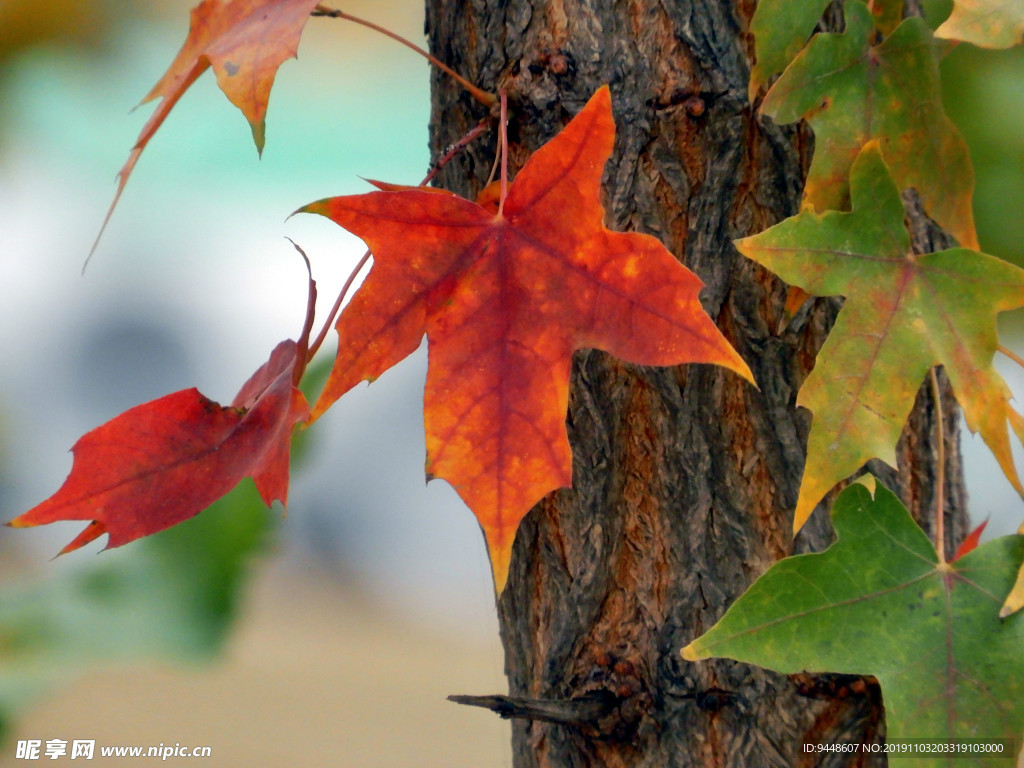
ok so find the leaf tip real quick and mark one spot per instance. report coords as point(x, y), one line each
point(796, 297)
point(971, 541)
point(319, 207)
point(259, 135)
point(90, 533)
point(1015, 600)
point(603, 95)
point(122, 180)
point(690, 653)
point(747, 246)
point(802, 514)
point(743, 370)
point(869, 481)
point(501, 554)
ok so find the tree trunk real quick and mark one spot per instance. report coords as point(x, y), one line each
point(684, 479)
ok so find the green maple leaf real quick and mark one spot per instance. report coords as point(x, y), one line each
point(852, 91)
point(904, 313)
point(878, 602)
point(781, 28)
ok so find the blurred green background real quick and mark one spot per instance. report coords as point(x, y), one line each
point(371, 602)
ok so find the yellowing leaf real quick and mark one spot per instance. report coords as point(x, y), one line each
point(988, 23)
point(1015, 600)
point(852, 91)
point(245, 41)
point(904, 313)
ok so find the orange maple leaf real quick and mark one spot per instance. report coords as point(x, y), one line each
point(505, 299)
point(245, 41)
point(162, 462)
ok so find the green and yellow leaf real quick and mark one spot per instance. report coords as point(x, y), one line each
point(852, 91)
point(904, 313)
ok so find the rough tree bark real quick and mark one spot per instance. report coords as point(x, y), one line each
point(684, 479)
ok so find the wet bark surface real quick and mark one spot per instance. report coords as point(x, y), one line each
point(684, 479)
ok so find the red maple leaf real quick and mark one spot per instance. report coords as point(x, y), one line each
point(165, 461)
point(505, 298)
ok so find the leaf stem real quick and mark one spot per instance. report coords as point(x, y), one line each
point(485, 98)
point(940, 473)
point(307, 324)
point(503, 149)
point(457, 147)
point(494, 167)
point(315, 346)
point(1016, 358)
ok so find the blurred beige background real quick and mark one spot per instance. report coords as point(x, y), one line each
point(313, 675)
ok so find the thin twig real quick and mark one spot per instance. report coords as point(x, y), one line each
point(578, 711)
point(485, 98)
point(940, 474)
point(457, 147)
